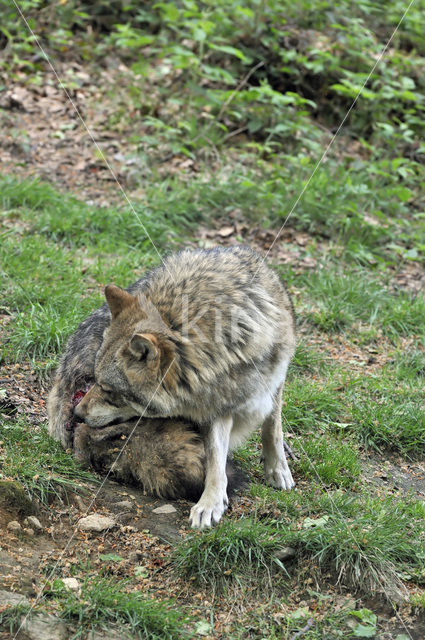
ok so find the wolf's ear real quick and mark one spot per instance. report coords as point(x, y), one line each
point(144, 346)
point(118, 299)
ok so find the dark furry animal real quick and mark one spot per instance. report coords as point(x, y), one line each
point(164, 457)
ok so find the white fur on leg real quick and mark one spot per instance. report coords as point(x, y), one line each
point(276, 469)
point(278, 474)
point(213, 501)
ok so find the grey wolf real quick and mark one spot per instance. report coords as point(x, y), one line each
point(207, 337)
point(166, 457)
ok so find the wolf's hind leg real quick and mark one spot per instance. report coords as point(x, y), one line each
point(213, 501)
point(276, 469)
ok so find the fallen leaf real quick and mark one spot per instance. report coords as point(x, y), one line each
point(225, 232)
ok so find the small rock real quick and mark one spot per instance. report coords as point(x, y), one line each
point(80, 503)
point(124, 505)
point(166, 508)
point(95, 522)
point(286, 553)
point(45, 627)
point(14, 525)
point(29, 532)
point(71, 583)
point(34, 523)
point(7, 597)
point(124, 517)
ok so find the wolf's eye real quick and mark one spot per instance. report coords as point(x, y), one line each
point(104, 390)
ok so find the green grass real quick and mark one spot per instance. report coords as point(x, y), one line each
point(329, 461)
point(240, 551)
point(307, 360)
point(64, 218)
point(361, 542)
point(103, 605)
point(11, 616)
point(368, 551)
point(336, 300)
point(409, 365)
point(387, 416)
point(104, 602)
point(84, 247)
point(313, 405)
point(379, 410)
point(30, 456)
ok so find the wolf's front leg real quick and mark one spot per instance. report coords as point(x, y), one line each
point(213, 501)
point(276, 469)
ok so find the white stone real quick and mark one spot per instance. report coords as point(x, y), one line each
point(166, 508)
point(71, 583)
point(286, 553)
point(95, 522)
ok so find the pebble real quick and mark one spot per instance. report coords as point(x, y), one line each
point(166, 508)
point(33, 523)
point(286, 553)
point(29, 532)
point(125, 505)
point(71, 583)
point(14, 525)
point(95, 522)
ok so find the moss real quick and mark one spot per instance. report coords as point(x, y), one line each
point(13, 498)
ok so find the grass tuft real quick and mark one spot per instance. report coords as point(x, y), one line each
point(11, 616)
point(361, 542)
point(387, 416)
point(367, 550)
point(103, 603)
point(39, 463)
point(307, 360)
point(241, 551)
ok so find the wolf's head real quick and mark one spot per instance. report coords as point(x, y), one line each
point(134, 372)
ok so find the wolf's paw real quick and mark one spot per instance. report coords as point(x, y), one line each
point(279, 475)
point(207, 512)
